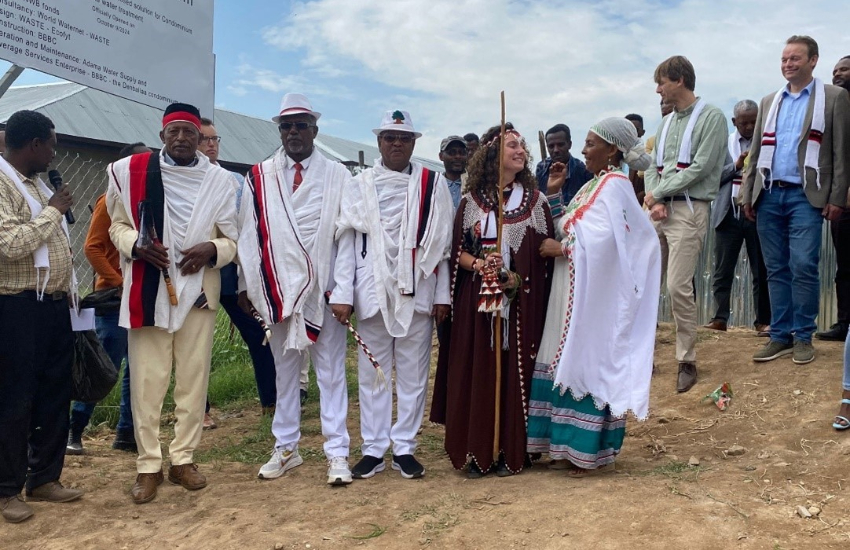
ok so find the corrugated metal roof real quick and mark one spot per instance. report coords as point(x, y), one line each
point(346, 150)
point(84, 112)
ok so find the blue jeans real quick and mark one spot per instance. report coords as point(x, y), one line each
point(114, 341)
point(789, 230)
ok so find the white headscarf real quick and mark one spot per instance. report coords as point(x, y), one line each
point(621, 133)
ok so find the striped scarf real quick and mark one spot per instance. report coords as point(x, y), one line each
point(685, 156)
point(814, 136)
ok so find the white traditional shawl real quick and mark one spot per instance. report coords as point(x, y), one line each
point(735, 152)
point(395, 271)
point(41, 258)
point(813, 138)
point(599, 336)
point(685, 155)
point(296, 265)
point(215, 207)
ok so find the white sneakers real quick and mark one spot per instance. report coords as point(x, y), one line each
point(281, 462)
point(338, 472)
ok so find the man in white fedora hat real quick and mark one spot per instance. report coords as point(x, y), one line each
point(394, 237)
point(287, 221)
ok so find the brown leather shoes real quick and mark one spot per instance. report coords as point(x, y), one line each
point(687, 377)
point(53, 491)
point(762, 330)
point(144, 490)
point(14, 509)
point(716, 324)
point(188, 476)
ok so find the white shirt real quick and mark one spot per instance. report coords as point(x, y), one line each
point(289, 170)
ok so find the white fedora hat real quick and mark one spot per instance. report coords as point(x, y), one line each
point(399, 121)
point(295, 104)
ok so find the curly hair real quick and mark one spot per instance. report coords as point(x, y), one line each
point(483, 169)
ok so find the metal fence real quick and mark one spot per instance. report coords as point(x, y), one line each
point(743, 311)
point(87, 176)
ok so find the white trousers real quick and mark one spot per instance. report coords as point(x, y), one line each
point(153, 352)
point(411, 356)
point(328, 355)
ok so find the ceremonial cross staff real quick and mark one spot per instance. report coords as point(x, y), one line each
point(498, 324)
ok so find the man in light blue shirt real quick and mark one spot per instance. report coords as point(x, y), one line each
point(789, 124)
point(789, 194)
point(453, 153)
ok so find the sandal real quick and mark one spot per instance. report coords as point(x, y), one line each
point(575, 471)
point(846, 425)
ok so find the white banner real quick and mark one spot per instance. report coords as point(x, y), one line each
point(152, 51)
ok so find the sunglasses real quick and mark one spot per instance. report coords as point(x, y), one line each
point(300, 126)
point(392, 138)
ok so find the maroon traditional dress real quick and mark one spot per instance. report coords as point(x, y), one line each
point(465, 386)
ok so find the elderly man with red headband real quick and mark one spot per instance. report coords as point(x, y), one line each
point(172, 239)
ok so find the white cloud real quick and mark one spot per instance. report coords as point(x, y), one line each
point(251, 77)
point(558, 61)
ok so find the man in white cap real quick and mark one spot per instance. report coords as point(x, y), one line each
point(394, 239)
point(287, 219)
point(173, 237)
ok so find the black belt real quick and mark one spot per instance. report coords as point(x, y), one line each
point(785, 184)
point(33, 295)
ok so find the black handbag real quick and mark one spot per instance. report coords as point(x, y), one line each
point(103, 301)
point(93, 373)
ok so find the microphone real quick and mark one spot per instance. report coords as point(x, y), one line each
point(56, 181)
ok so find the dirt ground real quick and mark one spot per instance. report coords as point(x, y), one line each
point(780, 414)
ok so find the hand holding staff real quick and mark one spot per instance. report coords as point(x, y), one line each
point(150, 249)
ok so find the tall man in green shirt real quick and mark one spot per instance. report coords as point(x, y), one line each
point(690, 152)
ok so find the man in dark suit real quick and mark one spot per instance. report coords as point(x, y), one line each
point(732, 229)
point(796, 177)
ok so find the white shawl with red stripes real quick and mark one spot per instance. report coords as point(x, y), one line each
point(286, 242)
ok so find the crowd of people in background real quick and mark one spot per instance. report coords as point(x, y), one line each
point(542, 282)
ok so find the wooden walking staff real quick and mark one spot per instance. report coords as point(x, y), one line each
point(498, 324)
point(542, 139)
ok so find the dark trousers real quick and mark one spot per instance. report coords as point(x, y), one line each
point(841, 241)
point(35, 391)
point(261, 356)
point(730, 235)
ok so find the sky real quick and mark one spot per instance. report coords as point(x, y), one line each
point(446, 61)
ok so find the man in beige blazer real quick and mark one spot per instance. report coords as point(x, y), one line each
point(796, 177)
point(172, 249)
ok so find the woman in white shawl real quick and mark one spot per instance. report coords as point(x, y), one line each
point(595, 359)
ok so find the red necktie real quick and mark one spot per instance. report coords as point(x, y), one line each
point(296, 182)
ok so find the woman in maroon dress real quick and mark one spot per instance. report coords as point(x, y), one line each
point(465, 390)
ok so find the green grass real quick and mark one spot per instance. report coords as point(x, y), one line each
point(233, 387)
